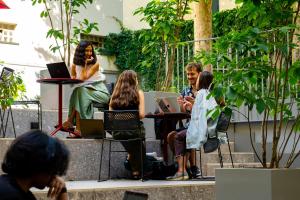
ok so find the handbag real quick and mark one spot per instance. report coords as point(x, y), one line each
point(211, 144)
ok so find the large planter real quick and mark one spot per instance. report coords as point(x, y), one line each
point(257, 184)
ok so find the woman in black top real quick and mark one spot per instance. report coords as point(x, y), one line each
point(34, 160)
point(128, 96)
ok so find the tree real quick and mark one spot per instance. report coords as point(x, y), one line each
point(63, 31)
point(165, 18)
point(203, 26)
point(258, 72)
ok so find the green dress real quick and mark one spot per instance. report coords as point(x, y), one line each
point(83, 96)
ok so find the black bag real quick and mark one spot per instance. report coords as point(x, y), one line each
point(155, 169)
point(211, 144)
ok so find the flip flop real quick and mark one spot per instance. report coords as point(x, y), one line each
point(73, 136)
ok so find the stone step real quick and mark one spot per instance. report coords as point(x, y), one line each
point(85, 158)
point(224, 147)
point(115, 189)
point(209, 168)
point(238, 157)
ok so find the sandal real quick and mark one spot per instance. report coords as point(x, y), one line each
point(74, 136)
point(135, 175)
point(67, 125)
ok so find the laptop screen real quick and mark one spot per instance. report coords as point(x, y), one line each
point(58, 70)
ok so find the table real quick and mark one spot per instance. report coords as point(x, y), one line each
point(60, 82)
point(172, 118)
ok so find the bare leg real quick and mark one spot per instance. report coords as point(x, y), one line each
point(69, 122)
point(192, 158)
point(77, 121)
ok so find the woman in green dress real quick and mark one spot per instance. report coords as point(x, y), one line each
point(85, 67)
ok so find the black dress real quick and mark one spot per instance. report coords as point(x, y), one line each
point(10, 190)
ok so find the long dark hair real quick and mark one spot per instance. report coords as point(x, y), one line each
point(79, 56)
point(126, 90)
point(205, 80)
point(36, 152)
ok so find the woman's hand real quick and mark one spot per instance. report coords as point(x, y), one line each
point(57, 189)
point(89, 60)
point(188, 105)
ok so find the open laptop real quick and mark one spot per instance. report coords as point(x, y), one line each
point(58, 70)
point(92, 128)
point(135, 196)
point(168, 104)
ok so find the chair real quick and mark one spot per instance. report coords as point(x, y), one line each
point(222, 127)
point(6, 72)
point(121, 121)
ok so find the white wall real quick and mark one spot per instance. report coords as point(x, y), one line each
point(31, 52)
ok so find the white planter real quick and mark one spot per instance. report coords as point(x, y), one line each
point(257, 184)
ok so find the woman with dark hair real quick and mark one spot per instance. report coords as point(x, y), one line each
point(196, 134)
point(128, 96)
point(85, 67)
point(34, 159)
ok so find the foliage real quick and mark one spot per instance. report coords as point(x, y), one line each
point(130, 49)
point(11, 88)
point(257, 72)
point(166, 20)
point(63, 31)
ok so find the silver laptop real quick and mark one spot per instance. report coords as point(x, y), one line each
point(168, 104)
point(92, 128)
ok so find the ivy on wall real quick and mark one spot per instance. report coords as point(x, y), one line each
point(127, 46)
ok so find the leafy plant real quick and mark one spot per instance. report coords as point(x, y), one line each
point(166, 19)
point(256, 70)
point(63, 31)
point(11, 88)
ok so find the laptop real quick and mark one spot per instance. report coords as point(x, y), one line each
point(135, 196)
point(58, 70)
point(6, 72)
point(92, 128)
point(168, 104)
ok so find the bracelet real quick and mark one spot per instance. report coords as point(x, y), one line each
point(63, 190)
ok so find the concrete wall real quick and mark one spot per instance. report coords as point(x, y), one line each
point(239, 134)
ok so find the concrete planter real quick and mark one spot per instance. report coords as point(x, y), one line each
point(258, 184)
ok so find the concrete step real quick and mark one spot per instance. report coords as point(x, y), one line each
point(238, 157)
point(85, 158)
point(115, 189)
point(224, 147)
point(209, 168)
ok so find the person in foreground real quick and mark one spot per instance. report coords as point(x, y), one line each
point(86, 68)
point(128, 96)
point(200, 125)
point(34, 159)
point(193, 71)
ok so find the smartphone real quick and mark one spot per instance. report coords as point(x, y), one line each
point(135, 196)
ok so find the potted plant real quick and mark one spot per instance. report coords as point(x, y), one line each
point(257, 69)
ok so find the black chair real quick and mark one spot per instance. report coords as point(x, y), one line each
point(101, 106)
point(222, 127)
point(6, 72)
point(121, 121)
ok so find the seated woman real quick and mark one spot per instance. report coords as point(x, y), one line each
point(128, 96)
point(93, 89)
point(196, 134)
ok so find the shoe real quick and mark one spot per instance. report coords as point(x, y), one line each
point(195, 172)
point(178, 177)
point(67, 125)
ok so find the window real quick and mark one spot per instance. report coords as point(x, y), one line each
point(96, 40)
point(7, 32)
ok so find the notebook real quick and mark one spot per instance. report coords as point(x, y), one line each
point(92, 128)
point(135, 196)
point(58, 70)
point(168, 104)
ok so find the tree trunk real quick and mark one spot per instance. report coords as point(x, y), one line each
point(203, 26)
